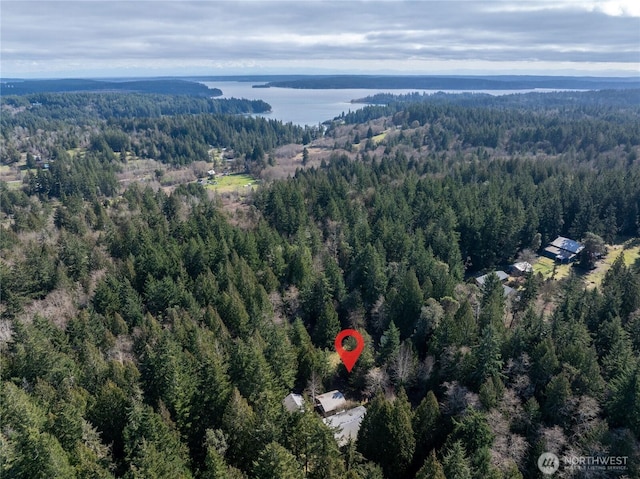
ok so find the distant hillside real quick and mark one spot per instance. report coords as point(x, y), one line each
point(618, 98)
point(192, 86)
point(459, 82)
point(162, 86)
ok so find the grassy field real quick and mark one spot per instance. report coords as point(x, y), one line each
point(378, 138)
point(12, 175)
point(75, 152)
point(631, 254)
point(544, 266)
point(630, 251)
point(239, 182)
point(14, 185)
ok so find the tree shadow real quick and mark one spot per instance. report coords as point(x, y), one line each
point(580, 271)
point(631, 243)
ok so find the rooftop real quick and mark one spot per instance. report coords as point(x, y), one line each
point(293, 402)
point(567, 244)
point(501, 275)
point(559, 253)
point(523, 266)
point(347, 424)
point(331, 401)
point(508, 291)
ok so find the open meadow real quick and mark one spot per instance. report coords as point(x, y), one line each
point(239, 182)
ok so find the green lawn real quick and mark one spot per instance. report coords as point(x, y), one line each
point(631, 254)
point(376, 140)
point(544, 266)
point(593, 278)
point(75, 152)
point(238, 182)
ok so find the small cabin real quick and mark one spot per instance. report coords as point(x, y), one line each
point(330, 403)
point(520, 269)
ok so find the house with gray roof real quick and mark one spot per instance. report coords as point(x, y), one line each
point(520, 268)
point(502, 276)
point(563, 250)
point(293, 402)
point(330, 403)
point(346, 424)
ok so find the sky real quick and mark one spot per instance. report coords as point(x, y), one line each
point(95, 38)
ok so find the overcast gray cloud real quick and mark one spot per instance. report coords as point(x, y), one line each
point(49, 38)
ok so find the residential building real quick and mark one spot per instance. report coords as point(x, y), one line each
point(346, 424)
point(330, 403)
point(563, 250)
point(520, 269)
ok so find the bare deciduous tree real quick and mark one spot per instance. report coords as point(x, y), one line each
point(403, 365)
point(586, 412)
point(554, 439)
point(526, 255)
point(314, 386)
point(425, 368)
point(378, 317)
point(458, 398)
point(376, 380)
point(508, 448)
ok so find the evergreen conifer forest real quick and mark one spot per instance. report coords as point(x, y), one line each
point(151, 325)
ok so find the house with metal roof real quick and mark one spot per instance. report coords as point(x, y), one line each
point(346, 424)
point(330, 403)
point(563, 250)
point(520, 268)
point(502, 276)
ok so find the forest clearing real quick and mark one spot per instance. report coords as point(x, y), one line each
point(549, 269)
point(630, 250)
point(235, 182)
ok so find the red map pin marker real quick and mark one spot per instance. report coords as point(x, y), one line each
point(349, 358)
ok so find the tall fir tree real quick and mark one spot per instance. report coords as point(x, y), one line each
point(275, 461)
point(431, 469)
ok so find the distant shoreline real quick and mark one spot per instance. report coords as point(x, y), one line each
point(506, 82)
point(191, 85)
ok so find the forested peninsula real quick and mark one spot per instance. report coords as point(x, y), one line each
point(441, 82)
point(172, 268)
point(156, 85)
